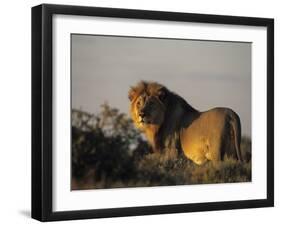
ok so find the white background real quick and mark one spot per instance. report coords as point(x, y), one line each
point(64, 199)
point(16, 104)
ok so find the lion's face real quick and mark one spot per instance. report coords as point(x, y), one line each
point(148, 104)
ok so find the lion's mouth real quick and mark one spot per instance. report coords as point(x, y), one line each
point(144, 121)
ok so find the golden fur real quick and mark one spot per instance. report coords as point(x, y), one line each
point(169, 122)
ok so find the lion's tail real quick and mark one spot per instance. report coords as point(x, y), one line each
point(236, 127)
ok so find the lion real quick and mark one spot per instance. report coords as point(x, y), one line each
point(169, 122)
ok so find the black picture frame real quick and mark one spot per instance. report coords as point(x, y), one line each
point(42, 106)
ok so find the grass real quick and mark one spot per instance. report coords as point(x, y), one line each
point(107, 152)
point(156, 169)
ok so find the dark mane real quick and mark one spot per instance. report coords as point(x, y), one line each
point(179, 114)
point(174, 99)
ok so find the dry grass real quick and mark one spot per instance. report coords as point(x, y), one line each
point(163, 170)
point(108, 153)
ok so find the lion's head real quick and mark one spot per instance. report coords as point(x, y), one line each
point(148, 104)
point(159, 113)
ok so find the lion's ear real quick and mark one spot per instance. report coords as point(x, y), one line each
point(162, 93)
point(132, 94)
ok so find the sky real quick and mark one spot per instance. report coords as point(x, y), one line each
point(206, 74)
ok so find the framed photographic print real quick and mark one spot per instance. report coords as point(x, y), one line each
point(145, 112)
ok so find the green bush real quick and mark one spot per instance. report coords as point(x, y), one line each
point(108, 152)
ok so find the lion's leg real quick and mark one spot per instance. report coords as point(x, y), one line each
point(213, 151)
point(200, 160)
point(193, 148)
point(196, 153)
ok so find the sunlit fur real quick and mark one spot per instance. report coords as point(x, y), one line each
point(169, 122)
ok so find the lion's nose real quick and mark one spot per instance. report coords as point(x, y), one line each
point(142, 114)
